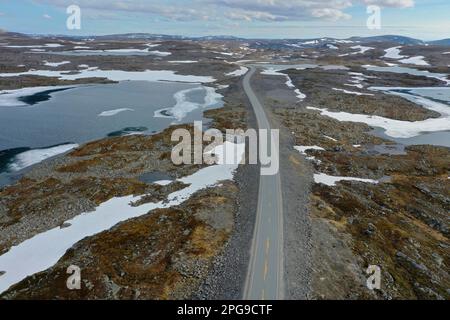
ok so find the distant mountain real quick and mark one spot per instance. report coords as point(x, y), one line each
point(150, 36)
point(332, 42)
point(275, 44)
point(389, 38)
point(146, 36)
point(226, 38)
point(443, 42)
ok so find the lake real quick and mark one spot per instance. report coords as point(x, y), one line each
point(438, 94)
point(89, 112)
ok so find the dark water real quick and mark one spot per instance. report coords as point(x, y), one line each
point(154, 176)
point(6, 155)
point(40, 96)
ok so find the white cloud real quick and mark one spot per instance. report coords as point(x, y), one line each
point(46, 16)
point(332, 14)
point(235, 10)
point(253, 15)
point(391, 3)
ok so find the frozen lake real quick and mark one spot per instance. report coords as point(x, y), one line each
point(85, 113)
point(436, 94)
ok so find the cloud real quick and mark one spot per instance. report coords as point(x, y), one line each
point(332, 14)
point(391, 3)
point(46, 16)
point(252, 15)
point(173, 10)
point(288, 9)
point(275, 10)
point(232, 10)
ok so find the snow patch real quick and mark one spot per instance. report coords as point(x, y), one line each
point(330, 138)
point(353, 92)
point(160, 53)
point(303, 149)
point(397, 128)
point(131, 51)
point(331, 180)
point(358, 85)
point(299, 94)
point(31, 157)
point(163, 182)
point(48, 45)
point(183, 106)
point(55, 64)
point(115, 75)
point(393, 53)
point(183, 61)
point(311, 42)
point(237, 73)
point(361, 49)
point(418, 61)
point(110, 113)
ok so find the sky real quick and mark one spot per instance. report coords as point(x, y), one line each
point(423, 19)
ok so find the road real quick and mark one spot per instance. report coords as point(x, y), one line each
point(265, 273)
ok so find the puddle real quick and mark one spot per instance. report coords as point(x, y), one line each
point(152, 177)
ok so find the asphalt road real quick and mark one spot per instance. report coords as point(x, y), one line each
point(265, 272)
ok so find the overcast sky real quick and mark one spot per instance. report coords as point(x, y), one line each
point(425, 19)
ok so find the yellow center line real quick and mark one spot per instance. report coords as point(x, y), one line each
point(266, 262)
point(266, 268)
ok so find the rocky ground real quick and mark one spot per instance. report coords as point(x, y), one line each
point(199, 249)
point(206, 59)
point(168, 254)
point(125, 262)
point(162, 255)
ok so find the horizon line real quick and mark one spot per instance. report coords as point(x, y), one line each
point(212, 36)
